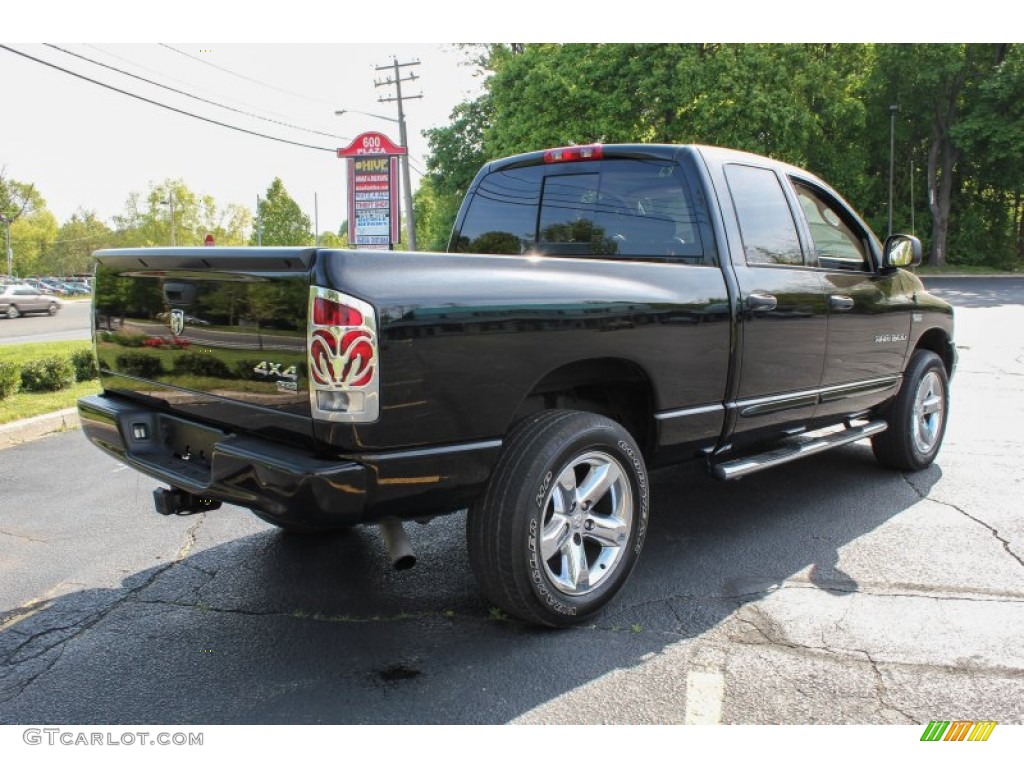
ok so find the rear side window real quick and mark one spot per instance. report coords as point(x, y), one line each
point(765, 219)
point(611, 208)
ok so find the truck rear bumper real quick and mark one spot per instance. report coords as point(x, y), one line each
point(285, 484)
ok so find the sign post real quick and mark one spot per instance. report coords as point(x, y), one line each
point(374, 216)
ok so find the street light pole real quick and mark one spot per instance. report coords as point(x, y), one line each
point(170, 202)
point(913, 230)
point(893, 109)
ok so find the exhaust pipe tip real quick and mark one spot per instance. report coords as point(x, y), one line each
point(398, 545)
point(403, 563)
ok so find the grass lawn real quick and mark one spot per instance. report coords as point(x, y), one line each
point(22, 353)
point(26, 404)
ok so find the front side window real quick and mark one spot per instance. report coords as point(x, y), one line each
point(765, 219)
point(836, 244)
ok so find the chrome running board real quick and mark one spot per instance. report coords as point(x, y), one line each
point(737, 468)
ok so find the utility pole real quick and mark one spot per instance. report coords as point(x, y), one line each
point(396, 80)
point(10, 254)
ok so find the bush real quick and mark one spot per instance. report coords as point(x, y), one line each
point(139, 364)
point(47, 374)
point(10, 379)
point(246, 370)
point(84, 363)
point(133, 340)
point(201, 365)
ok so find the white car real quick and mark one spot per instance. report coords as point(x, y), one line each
point(17, 300)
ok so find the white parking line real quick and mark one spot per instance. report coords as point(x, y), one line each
point(704, 694)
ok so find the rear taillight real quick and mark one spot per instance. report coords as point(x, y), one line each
point(574, 154)
point(342, 352)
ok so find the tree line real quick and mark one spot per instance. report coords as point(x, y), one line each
point(958, 132)
point(43, 246)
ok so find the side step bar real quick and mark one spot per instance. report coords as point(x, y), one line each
point(737, 468)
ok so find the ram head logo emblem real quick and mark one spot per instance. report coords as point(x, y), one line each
point(342, 359)
point(177, 321)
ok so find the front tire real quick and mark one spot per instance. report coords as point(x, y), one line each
point(52, 309)
point(13, 313)
point(561, 524)
point(917, 417)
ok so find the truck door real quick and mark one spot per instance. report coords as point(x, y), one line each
point(782, 317)
point(868, 317)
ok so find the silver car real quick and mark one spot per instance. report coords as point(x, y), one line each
point(17, 300)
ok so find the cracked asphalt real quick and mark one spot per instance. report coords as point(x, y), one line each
point(826, 591)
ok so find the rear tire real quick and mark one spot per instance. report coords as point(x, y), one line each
point(562, 521)
point(917, 417)
point(12, 312)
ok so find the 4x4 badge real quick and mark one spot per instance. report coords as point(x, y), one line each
point(177, 321)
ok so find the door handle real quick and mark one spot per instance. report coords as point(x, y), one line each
point(761, 302)
point(840, 303)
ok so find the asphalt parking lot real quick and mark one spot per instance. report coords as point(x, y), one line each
point(825, 591)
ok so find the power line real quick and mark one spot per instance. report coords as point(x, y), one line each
point(165, 106)
point(176, 79)
point(193, 96)
point(244, 77)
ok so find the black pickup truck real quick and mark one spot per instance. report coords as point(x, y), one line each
point(602, 310)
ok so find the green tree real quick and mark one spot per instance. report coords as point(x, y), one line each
point(280, 219)
point(76, 240)
point(992, 137)
point(937, 87)
point(799, 103)
point(19, 203)
point(146, 220)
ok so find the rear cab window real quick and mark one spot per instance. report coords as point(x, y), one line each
point(766, 222)
point(611, 208)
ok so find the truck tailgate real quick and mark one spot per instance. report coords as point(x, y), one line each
point(216, 333)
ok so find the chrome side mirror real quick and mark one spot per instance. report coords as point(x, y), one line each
point(901, 251)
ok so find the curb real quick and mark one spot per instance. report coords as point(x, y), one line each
point(18, 432)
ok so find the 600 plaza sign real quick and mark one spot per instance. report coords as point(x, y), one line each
point(373, 213)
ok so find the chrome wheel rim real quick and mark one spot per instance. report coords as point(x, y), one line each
point(588, 517)
point(929, 412)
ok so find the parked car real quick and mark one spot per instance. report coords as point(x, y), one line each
point(75, 289)
point(40, 286)
point(17, 300)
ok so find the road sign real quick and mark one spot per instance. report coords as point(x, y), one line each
point(373, 213)
point(371, 143)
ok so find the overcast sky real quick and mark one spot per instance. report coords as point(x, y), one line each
point(84, 146)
